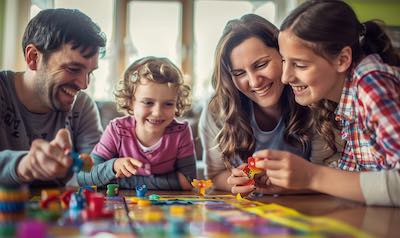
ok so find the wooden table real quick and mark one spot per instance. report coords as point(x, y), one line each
point(376, 221)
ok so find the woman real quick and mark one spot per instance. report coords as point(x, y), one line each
point(251, 108)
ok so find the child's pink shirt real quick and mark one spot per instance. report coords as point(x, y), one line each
point(119, 140)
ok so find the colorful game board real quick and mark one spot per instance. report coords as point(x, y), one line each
point(199, 216)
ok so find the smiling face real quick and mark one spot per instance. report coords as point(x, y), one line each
point(311, 76)
point(256, 70)
point(154, 109)
point(61, 77)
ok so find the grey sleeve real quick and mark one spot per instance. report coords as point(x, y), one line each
point(8, 165)
point(87, 130)
point(212, 155)
point(381, 187)
point(167, 181)
point(187, 166)
point(102, 173)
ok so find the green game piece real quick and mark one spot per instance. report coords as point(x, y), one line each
point(154, 197)
point(112, 190)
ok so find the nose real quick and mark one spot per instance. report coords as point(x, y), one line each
point(157, 110)
point(255, 80)
point(83, 81)
point(287, 75)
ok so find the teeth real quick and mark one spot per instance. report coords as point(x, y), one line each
point(154, 121)
point(69, 91)
point(298, 88)
point(264, 90)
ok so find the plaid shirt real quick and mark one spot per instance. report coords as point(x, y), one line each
point(369, 113)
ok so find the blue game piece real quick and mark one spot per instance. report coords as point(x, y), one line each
point(77, 163)
point(141, 190)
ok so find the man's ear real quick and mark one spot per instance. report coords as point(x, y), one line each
point(32, 56)
point(344, 60)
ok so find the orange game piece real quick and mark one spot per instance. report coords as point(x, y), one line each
point(202, 185)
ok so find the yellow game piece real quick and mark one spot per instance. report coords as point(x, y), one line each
point(239, 197)
point(152, 216)
point(176, 210)
point(143, 203)
point(202, 185)
point(132, 199)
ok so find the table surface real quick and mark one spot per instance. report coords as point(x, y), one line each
point(376, 221)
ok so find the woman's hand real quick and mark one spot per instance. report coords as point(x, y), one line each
point(237, 179)
point(285, 169)
point(126, 167)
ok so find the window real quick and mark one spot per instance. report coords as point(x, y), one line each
point(185, 31)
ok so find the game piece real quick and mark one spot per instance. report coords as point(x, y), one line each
point(112, 190)
point(81, 162)
point(32, 228)
point(76, 205)
point(141, 190)
point(95, 208)
point(143, 203)
point(65, 198)
point(12, 208)
point(154, 197)
point(202, 185)
point(251, 170)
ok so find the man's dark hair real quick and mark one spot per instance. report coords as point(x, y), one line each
point(50, 29)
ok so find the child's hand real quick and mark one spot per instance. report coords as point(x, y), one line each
point(126, 167)
point(185, 184)
point(237, 179)
point(285, 169)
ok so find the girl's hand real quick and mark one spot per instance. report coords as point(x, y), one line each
point(237, 179)
point(185, 184)
point(126, 167)
point(285, 169)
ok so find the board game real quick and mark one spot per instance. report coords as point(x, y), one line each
point(89, 213)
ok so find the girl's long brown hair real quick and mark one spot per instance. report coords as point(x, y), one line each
point(328, 26)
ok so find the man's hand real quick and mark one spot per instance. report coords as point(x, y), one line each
point(46, 160)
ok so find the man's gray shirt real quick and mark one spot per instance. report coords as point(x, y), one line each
point(19, 127)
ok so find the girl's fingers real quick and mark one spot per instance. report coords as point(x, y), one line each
point(238, 172)
point(125, 172)
point(232, 180)
point(135, 162)
point(131, 168)
point(242, 189)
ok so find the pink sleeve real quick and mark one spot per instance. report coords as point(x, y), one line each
point(107, 146)
point(186, 143)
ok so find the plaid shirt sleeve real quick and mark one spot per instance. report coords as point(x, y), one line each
point(379, 100)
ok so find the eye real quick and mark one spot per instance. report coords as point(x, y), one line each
point(170, 104)
point(299, 65)
point(237, 73)
point(261, 64)
point(147, 103)
point(73, 69)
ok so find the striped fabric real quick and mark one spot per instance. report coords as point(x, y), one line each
point(369, 113)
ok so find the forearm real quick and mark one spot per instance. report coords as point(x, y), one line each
point(9, 161)
point(336, 182)
point(167, 181)
point(102, 173)
point(220, 181)
point(187, 167)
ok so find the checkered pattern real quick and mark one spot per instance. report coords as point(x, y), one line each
point(369, 112)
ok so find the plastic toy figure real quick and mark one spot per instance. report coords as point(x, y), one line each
point(112, 190)
point(141, 190)
point(81, 162)
point(251, 170)
point(202, 185)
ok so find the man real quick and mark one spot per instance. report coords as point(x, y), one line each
point(61, 49)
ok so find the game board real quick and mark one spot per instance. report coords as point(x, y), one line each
point(199, 216)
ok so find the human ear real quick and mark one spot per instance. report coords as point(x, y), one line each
point(31, 56)
point(344, 59)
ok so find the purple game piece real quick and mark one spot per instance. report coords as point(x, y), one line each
point(32, 229)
